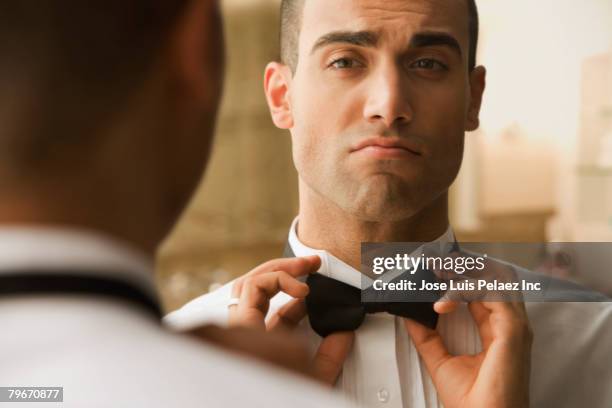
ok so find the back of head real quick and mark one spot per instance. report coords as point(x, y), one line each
point(104, 103)
point(67, 65)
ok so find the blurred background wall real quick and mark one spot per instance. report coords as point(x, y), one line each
point(539, 168)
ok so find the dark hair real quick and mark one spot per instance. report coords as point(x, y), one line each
point(290, 26)
point(77, 61)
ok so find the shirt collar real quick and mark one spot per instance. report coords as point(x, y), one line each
point(83, 252)
point(334, 268)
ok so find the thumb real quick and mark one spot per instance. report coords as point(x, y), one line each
point(328, 362)
point(429, 345)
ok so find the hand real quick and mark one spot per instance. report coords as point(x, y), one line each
point(496, 377)
point(254, 291)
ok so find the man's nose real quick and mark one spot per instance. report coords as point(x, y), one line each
point(388, 100)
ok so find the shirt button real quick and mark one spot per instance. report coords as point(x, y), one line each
point(383, 395)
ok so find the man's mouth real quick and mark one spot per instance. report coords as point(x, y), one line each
point(387, 148)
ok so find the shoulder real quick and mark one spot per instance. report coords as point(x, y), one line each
point(561, 290)
point(132, 361)
point(565, 305)
point(572, 332)
point(553, 289)
point(567, 318)
point(571, 353)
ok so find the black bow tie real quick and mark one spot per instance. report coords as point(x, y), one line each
point(334, 306)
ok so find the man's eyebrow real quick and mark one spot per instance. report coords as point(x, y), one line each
point(428, 39)
point(359, 38)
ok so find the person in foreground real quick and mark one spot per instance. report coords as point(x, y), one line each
point(107, 112)
point(378, 95)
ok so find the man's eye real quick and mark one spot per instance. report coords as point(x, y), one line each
point(344, 63)
point(428, 63)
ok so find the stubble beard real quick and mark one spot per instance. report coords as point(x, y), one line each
point(381, 198)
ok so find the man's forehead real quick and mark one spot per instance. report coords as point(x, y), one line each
point(388, 18)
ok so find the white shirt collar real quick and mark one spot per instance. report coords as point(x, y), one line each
point(52, 249)
point(334, 268)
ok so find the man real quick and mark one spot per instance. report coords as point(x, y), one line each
point(107, 110)
point(377, 95)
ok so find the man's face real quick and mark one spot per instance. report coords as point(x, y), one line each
point(380, 101)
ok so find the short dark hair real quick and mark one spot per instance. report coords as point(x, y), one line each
point(77, 61)
point(291, 23)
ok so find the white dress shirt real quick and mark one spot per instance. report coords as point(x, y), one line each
point(108, 353)
point(384, 369)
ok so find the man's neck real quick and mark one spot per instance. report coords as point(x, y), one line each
point(323, 225)
point(135, 224)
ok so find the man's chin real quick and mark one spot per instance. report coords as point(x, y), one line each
point(382, 207)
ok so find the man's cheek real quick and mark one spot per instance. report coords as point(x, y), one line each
point(307, 152)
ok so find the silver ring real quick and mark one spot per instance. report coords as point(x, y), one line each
point(233, 302)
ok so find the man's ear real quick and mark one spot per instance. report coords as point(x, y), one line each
point(277, 81)
point(477, 87)
point(197, 51)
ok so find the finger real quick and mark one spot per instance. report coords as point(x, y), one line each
point(461, 290)
point(505, 309)
point(267, 285)
point(235, 315)
point(429, 345)
point(236, 290)
point(444, 306)
point(481, 317)
point(452, 298)
point(288, 316)
point(293, 266)
point(258, 290)
point(505, 339)
point(328, 362)
point(256, 294)
point(237, 287)
point(506, 321)
point(520, 308)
